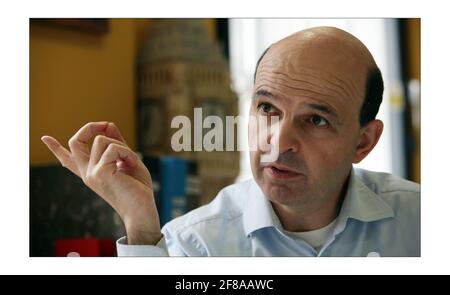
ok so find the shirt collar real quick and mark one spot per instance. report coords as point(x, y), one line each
point(360, 203)
point(258, 212)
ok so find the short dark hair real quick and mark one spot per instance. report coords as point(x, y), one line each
point(372, 98)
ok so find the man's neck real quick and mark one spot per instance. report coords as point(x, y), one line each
point(308, 218)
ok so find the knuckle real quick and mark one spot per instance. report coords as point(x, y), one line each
point(100, 139)
point(87, 125)
point(90, 126)
point(72, 141)
point(114, 147)
point(111, 148)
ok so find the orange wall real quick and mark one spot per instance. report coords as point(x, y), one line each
point(413, 41)
point(76, 77)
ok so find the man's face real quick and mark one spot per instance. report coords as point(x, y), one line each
point(318, 109)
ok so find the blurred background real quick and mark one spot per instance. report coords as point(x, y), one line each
point(140, 73)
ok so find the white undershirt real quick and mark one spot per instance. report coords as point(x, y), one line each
point(316, 238)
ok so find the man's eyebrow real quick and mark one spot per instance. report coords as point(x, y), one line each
point(314, 106)
point(265, 93)
point(323, 109)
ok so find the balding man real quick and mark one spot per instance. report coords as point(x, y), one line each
point(324, 89)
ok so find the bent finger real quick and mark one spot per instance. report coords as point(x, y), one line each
point(113, 132)
point(79, 146)
point(99, 146)
point(118, 153)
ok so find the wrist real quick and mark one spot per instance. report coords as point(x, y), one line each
point(134, 238)
point(142, 235)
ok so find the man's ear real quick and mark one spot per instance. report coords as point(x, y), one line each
point(368, 138)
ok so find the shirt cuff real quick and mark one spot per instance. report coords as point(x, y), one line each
point(123, 249)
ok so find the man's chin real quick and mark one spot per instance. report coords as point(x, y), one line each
point(281, 193)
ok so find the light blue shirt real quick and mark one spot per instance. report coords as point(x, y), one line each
point(380, 216)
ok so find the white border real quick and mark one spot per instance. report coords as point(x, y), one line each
point(14, 144)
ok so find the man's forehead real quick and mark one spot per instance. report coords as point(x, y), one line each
point(311, 80)
point(329, 61)
point(320, 52)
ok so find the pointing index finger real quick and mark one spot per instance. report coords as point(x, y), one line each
point(62, 154)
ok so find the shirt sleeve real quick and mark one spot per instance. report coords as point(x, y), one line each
point(158, 250)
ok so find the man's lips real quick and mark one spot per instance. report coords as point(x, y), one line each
point(280, 172)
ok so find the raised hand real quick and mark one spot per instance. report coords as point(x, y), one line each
point(112, 170)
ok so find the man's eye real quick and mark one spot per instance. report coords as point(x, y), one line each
point(318, 120)
point(266, 108)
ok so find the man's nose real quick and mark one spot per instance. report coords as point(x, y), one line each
point(286, 137)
